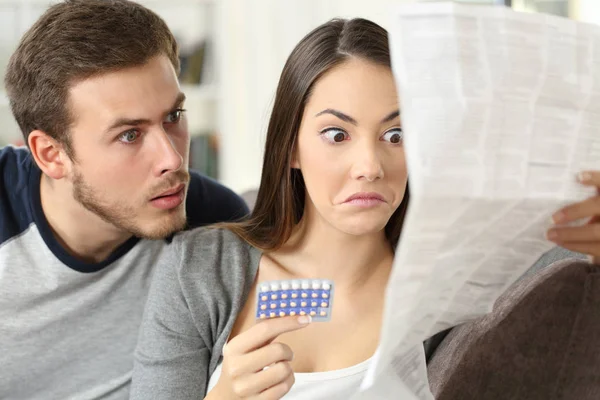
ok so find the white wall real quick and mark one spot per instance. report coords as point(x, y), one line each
point(15, 18)
point(585, 10)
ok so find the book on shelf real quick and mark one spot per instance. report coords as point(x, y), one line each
point(204, 151)
point(193, 64)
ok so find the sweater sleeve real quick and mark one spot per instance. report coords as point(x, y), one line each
point(194, 300)
point(171, 359)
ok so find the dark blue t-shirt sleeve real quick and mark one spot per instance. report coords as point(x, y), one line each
point(209, 202)
point(15, 213)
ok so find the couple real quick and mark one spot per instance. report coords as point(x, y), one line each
point(89, 212)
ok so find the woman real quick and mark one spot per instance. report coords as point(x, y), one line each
point(330, 205)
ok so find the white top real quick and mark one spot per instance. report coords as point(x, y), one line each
point(338, 384)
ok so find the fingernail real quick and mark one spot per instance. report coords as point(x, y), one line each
point(558, 217)
point(304, 319)
point(551, 235)
point(584, 177)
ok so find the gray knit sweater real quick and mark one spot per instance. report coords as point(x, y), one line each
point(193, 302)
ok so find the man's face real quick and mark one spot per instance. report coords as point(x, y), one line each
point(130, 148)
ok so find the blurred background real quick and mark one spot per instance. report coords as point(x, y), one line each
point(232, 54)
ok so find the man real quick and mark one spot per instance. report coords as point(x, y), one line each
point(93, 86)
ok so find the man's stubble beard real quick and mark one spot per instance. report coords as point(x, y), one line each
point(125, 217)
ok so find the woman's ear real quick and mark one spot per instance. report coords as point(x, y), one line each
point(295, 163)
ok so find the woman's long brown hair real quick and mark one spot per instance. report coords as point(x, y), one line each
point(280, 201)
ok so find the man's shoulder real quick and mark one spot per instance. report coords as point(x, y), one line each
point(209, 202)
point(15, 214)
point(14, 160)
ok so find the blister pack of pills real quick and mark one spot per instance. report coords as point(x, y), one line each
point(295, 297)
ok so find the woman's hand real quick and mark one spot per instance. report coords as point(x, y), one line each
point(245, 357)
point(586, 238)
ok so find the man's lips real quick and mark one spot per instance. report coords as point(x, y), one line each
point(171, 191)
point(170, 199)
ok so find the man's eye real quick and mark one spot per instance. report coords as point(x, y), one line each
point(334, 135)
point(129, 136)
point(393, 136)
point(175, 116)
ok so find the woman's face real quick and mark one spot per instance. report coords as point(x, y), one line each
point(350, 149)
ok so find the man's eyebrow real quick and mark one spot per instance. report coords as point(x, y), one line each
point(120, 122)
point(391, 116)
point(178, 101)
point(339, 114)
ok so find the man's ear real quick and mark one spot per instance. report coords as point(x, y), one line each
point(48, 154)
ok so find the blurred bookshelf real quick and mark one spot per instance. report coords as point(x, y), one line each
point(193, 24)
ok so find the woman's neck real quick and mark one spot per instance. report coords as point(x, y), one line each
point(318, 250)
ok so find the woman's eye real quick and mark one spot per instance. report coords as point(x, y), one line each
point(175, 116)
point(129, 136)
point(334, 135)
point(393, 136)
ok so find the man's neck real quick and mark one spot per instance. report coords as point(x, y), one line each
point(82, 233)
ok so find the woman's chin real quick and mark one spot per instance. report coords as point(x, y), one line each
point(363, 228)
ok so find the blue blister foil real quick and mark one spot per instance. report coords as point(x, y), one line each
point(281, 298)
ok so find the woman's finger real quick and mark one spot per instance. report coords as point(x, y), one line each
point(589, 178)
point(585, 233)
point(264, 333)
point(253, 384)
point(260, 358)
point(278, 391)
point(583, 209)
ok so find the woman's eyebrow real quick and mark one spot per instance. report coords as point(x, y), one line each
point(349, 119)
point(338, 114)
point(391, 116)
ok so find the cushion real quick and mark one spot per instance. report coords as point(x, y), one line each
point(540, 342)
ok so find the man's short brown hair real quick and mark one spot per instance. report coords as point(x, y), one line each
point(74, 40)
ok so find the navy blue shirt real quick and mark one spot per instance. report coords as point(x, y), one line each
point(20, 206)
